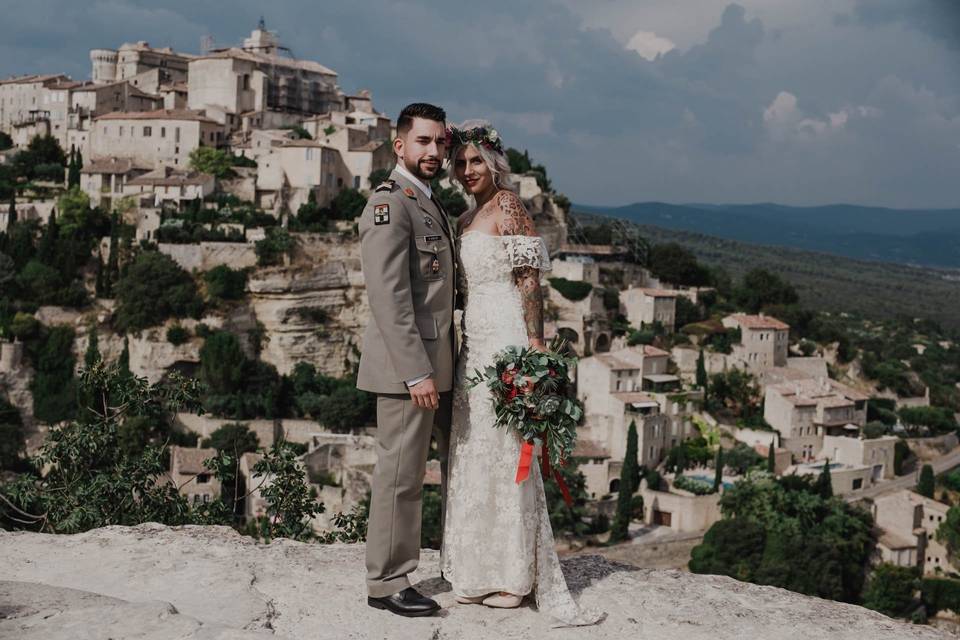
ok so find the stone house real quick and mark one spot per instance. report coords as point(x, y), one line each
point(679, 510)
point(168, 187)
point(145, 66)
point(254, 86)
point(293, 169)
point(806, 410)
point(909, 523)
point(105, 180)
point(254, 504)
point(22, 102)
point(763, 343)
point(153, 138)
point(646, 307)
point(192, 478)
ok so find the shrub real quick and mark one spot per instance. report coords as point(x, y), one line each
point(53, 386)
point(213, 161)
point(153, 289)
point(224, 283)
point(177, 335)
point(693, 485)
point(573, 290)
point(11, 436)
point(272, 249)
point(890, 590)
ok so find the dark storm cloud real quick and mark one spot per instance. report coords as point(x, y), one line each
point(937, 18)
point(822, 111)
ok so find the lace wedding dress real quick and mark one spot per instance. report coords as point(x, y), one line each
point(497, 534)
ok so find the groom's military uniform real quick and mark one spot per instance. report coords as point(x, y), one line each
point(409, 267)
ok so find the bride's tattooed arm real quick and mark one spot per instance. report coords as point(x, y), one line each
point(514, 221)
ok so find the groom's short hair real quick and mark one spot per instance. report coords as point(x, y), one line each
point(419, 110)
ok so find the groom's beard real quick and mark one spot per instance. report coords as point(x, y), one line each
point(423, 173)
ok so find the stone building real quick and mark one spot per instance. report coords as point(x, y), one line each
point(153, 138)
point(804, 411)
point(909, 523)
point(293, 169)
point(104, 180)
point(610, 385)
point(168, 187)
point(25, 107)
point(139, 62)
point(253, 86)
point(193, 479)
point(763, 342)
point(646, 307)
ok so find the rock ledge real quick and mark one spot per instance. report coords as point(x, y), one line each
point(156, 582)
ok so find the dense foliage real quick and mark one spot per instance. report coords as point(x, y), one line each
point(153, 289)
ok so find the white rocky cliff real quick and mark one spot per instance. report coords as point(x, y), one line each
point(153, 582)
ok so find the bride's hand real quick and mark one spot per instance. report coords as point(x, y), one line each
point(537, 343)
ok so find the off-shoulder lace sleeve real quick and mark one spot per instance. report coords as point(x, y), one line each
point(527, 251)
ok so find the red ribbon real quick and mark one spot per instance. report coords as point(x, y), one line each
point(526, 460)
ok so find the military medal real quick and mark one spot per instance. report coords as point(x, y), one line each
point(409, 192)
point(381, 214)
point(427, 220)
point(435, 265)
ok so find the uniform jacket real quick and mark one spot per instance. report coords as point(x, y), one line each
point(409, 267)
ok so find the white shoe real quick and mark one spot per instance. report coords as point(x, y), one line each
point(503, 601)
point(471, 599)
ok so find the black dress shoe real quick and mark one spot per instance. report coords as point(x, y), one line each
point(406, 603)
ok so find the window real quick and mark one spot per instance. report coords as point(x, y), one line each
point(356, 182)
point(203, 478)
point(120, 135)
point(163, 132)
point(147, 132)
point(857, 483)
point(176, 136)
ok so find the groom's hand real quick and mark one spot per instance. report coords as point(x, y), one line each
point(424, 394)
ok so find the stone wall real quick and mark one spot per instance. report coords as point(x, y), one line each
point(207, 255)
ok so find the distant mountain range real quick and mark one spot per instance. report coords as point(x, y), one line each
point(927, 237)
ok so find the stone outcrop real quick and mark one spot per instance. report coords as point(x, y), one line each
point(315, 310)
point(155, 582)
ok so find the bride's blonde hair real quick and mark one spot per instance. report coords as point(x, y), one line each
point(495, 160)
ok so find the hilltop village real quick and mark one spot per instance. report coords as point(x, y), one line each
point(195, 213)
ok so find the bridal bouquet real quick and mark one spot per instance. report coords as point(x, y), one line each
point(533, 395)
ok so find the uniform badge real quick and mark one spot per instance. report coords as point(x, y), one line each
point(435, 265)
point(381, 214)
point(427, 220)
point(409, 192)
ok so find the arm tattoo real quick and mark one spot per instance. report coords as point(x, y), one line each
point(516, 221)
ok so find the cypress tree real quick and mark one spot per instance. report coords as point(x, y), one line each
point(73, 169)
point(113, 260)
point(718, 471)
point(771, 459)
point(824, 483)
point(47, 247)
point(629, 481)
point(123, 363)
point(701, 371)
point(12, 211)
point(927, 482)
point(92, 356)
point(101, 283)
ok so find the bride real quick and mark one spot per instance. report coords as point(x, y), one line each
point(497, 544)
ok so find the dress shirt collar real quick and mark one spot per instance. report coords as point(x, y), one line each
point(402, 170)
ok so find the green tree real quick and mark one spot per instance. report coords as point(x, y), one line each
point(718, 470)
point(377, 177)
point(731, 547)
point(12, 441)
point(224, 283)
point(53, 385)
point(235, 438)
point(73, 169)
point(221, 363)
point(948, 533)
point(272, 249)
point(619, 531)
point(771, 458)
point(676, 264)
point(761, 288)
point(890, 590)
point(88, 481)
point(701, 371)
point(92, 355)
point(824, 481)
point(927, 482)
point(153, 289)
point(123, 362)
point(6, 142)
point(217, 163)
point(348, 204)
point(12, 211)
point(291, 502)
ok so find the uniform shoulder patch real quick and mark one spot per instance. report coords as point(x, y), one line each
point(386, 185)
point(409, 192)
point(381, 214)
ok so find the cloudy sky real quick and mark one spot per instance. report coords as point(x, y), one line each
point(797, 102)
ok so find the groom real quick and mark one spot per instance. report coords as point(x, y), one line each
point(408, 260)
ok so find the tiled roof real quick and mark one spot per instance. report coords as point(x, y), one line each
point(590, 449)
point(263, 58)
point(631, 397)
point(169, 177)
point(616, 363)
point(659, 293)
point(759, 322)
point(189, 460)
point(159, 114)
point(112, 165)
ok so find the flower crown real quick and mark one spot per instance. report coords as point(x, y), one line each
point(488, 137)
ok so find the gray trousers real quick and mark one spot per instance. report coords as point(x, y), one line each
point(393, 529)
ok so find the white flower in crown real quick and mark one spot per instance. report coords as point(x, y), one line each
point(493, 136)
